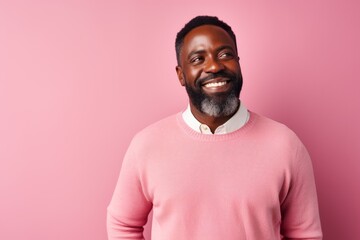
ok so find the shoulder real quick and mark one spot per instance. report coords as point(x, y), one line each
point(278, 140)
point(274, 132)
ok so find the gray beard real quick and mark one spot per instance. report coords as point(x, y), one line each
point(215, 109)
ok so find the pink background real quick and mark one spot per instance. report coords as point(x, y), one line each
point(79, 78)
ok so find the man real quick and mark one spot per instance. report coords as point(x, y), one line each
point(215, 171)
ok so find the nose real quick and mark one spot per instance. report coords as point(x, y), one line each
point(213, 66)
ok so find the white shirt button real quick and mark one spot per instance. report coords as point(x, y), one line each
point(204, 128)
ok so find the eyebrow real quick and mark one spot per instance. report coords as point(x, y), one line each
point(225, 47)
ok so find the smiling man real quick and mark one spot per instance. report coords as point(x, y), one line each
point(208, 66)
point(216, 170)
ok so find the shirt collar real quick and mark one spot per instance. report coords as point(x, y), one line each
point(234, 123)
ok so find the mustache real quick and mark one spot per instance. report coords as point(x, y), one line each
point(200, 81)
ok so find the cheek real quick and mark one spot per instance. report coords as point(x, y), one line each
point(192, 74)
point(233, 66)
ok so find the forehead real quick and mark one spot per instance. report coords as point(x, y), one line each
point(206, 37)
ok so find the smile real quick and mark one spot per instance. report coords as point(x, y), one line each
point(215, 84)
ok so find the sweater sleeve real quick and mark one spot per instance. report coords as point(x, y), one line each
point(129, 208)
point(300, 214)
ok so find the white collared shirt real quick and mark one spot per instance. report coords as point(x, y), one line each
point(239, 119)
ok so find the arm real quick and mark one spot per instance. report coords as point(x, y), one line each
point(129, 208)
point(300, 214)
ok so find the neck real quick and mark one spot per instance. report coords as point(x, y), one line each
point(211, 121)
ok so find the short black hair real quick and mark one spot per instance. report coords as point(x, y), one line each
point(197, 22)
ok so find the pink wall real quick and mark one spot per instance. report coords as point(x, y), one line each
point(79, 78)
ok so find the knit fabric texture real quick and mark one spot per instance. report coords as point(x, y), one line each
point(255, 183)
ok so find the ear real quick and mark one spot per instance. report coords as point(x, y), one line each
point(180, 75)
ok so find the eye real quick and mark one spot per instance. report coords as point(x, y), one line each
point(226, 55)
point(196, 60)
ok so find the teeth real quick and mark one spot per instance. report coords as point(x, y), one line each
point(216, 84)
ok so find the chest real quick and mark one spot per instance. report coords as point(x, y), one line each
point(214, 176)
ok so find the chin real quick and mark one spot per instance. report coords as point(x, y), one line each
point(224, 108)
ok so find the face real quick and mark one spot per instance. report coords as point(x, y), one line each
point(209, 69)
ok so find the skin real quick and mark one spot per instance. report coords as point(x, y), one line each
point(207, 50)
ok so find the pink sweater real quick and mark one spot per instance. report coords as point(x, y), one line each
point(255, 183)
